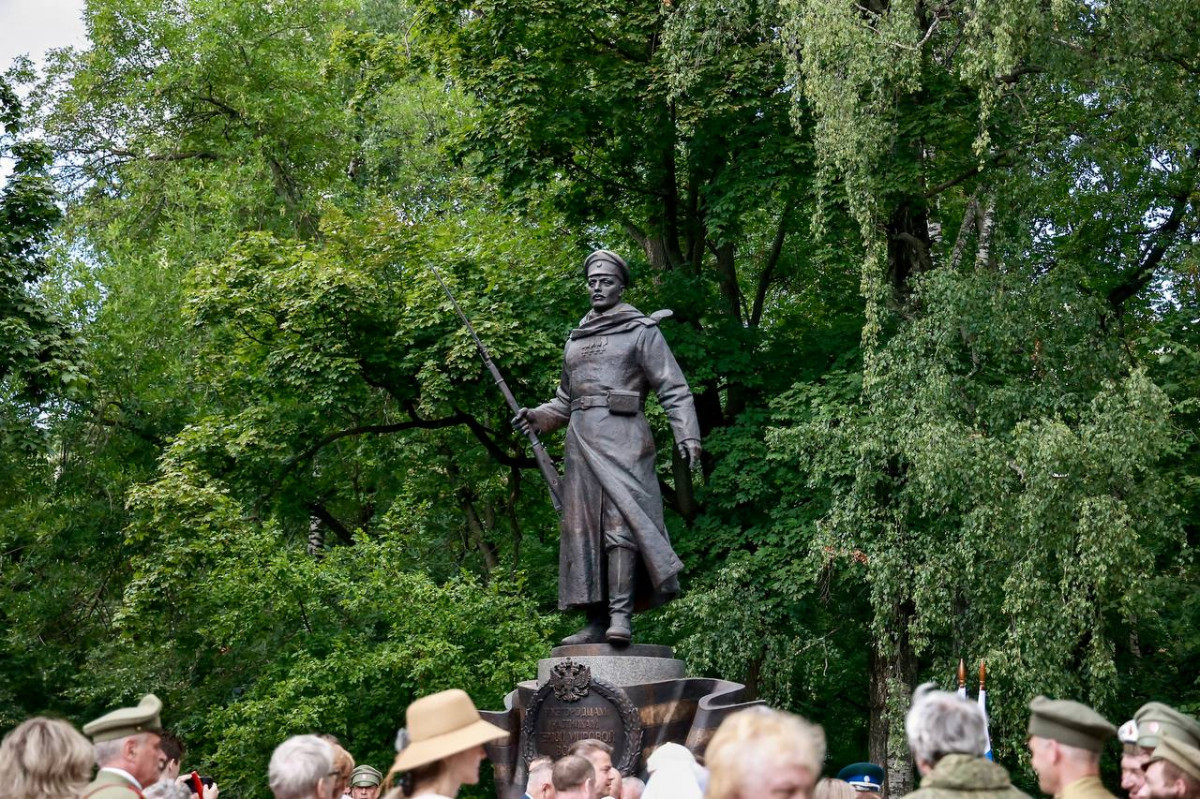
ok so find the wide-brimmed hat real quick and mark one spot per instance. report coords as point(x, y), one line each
point(443, 724)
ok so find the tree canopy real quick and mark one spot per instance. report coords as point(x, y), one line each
point(934, 272)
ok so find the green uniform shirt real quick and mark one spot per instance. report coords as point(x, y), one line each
point(110, 785)
point(1086, 788)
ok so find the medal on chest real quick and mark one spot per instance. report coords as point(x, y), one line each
point(595, 346)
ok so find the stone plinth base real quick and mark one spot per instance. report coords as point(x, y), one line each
point(621, 666)
point(635, 697)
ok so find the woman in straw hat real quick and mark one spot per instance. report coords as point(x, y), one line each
point(441, 747)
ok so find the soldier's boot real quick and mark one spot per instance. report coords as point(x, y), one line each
point(621, 565)
point(592, 632)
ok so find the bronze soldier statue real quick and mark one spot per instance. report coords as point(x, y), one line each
point(615, 553)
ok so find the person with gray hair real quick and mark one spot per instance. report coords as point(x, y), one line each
point(948, 738)
point(302, 768)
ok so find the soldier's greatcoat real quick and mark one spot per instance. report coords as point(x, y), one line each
point(110, 785)
point(610, 454)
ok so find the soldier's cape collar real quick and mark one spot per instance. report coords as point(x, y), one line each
point(618, 319)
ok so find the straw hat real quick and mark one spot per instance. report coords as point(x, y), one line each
point(443, 724)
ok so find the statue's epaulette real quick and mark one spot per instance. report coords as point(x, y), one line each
point(656, 317)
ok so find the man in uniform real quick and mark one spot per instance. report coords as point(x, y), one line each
point(1173, 772)
point(1141, 734)
point(614, 551)
point(364, 782)
point(128, 750)
point(1065, 742)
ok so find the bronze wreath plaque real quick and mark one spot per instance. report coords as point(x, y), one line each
point(573, 705)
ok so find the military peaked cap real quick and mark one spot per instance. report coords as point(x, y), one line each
point(1070, 723)
point(365, 776)
point(1156, 720)
point(607, 261)
point(126, 721)
point(863, 777)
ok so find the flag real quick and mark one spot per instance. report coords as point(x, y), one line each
point(983, 708)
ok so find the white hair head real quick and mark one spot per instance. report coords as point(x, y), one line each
point(940, 723)
point(297, 765)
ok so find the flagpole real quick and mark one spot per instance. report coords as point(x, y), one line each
point(983, 708)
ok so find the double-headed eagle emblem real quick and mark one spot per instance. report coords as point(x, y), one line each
point(571, 681)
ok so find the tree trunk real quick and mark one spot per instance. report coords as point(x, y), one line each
point(908, 247)
point(892, 672)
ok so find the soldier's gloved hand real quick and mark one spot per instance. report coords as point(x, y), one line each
point(690, 452)
point(526, 421)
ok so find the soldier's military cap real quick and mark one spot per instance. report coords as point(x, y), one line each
point(1156, 720)
point(608, 262)
point(863, 777)
point(1183, 755)
point(1070, 723)
point(126, 721)
point(365, 776)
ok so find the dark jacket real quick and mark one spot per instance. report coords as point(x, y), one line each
point(967, 777)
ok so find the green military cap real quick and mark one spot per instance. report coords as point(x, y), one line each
point(1070, 723)
point(126, 721)
point(1156, 720)
point(1178, 753)
point(365, 776)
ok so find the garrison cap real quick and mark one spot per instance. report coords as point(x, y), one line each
point(1127, 734)
point(126, 721)
point(867, 777)
point(365, 776)
point(1183, 755)
point(609, 262)
point(1156, 721)
point(1070, 723)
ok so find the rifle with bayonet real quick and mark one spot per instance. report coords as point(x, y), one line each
point(544, 464)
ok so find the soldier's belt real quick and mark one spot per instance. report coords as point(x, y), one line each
point(621, 403)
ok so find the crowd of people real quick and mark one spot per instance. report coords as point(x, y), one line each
point(757, 753)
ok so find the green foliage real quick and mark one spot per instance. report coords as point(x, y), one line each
point(934, 274)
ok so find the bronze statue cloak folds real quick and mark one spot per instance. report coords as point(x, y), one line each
point(610, 362)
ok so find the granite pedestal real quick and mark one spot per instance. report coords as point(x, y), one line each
point(636, 698)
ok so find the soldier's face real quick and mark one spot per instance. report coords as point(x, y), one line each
point(1133, 772)
point(1156, 786)
point(364, 792)
point(147, 759)
point(1041, 757)
point(604, 289)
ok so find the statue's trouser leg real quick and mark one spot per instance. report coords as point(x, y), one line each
point(622, 565)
